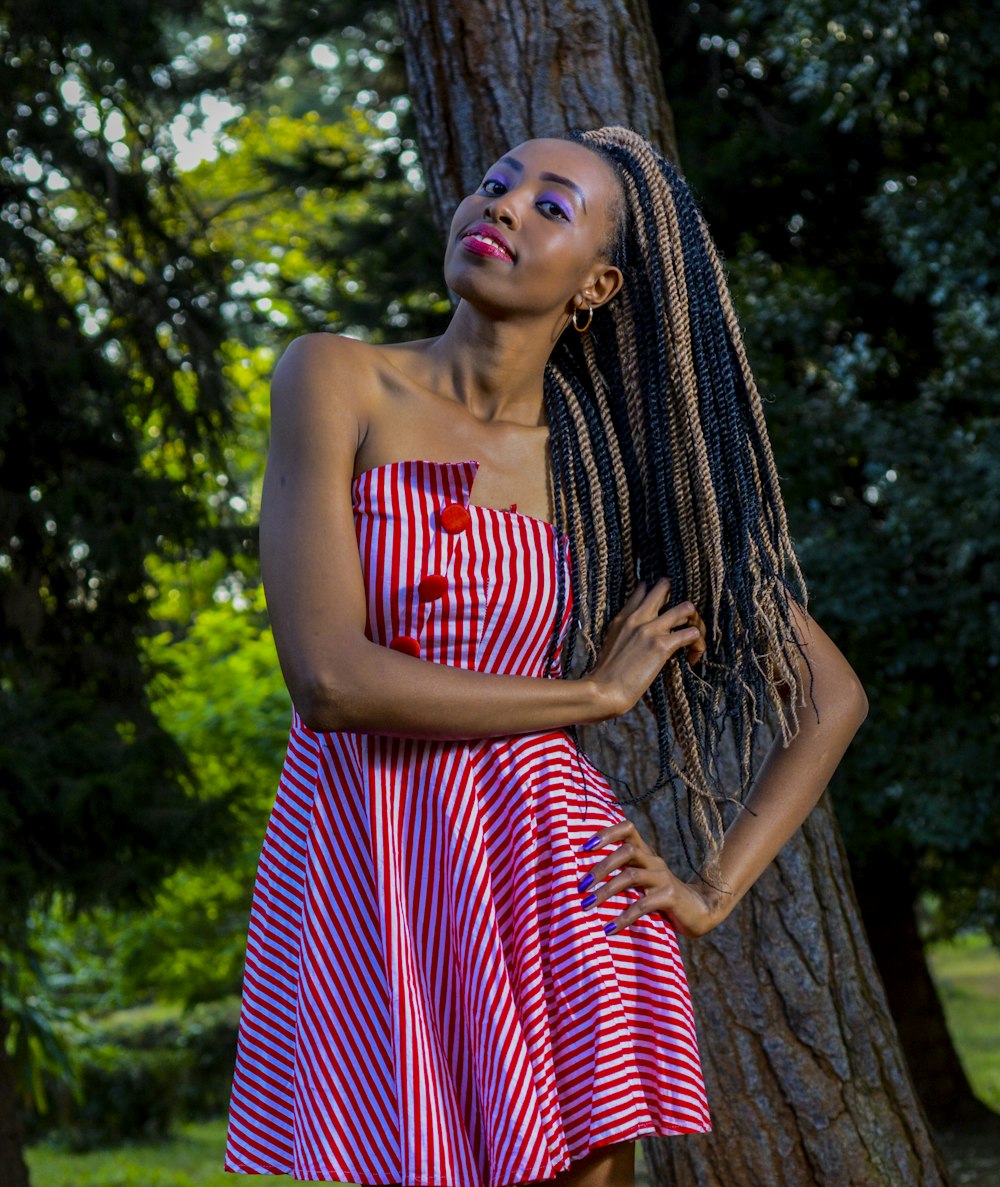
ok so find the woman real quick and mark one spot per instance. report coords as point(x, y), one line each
point(432, 995)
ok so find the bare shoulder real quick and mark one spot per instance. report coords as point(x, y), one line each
point(330, 389)
point(325, 394)
point(320, 367)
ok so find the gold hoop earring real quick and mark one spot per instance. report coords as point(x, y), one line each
point(590, 317)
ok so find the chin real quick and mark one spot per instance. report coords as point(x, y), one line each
point(478, 290)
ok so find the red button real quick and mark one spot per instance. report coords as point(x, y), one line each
point(432, 586)
point(455, 518)
point(407, 644)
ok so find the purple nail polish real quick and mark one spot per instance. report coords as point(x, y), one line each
point(609, 927)
point(589, 901)
point(591, 843)
point(587, 882)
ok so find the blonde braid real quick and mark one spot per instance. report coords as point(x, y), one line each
point(664, 412)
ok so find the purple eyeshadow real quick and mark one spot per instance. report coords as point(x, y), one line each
point(558, 201)
point(557, 198)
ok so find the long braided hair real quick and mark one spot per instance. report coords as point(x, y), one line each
point(661, 465)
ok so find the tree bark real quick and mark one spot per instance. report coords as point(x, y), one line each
point(807, 1083)
point(13, 1170)
point(888, 907)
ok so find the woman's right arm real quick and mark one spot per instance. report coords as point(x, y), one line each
point(339, 679)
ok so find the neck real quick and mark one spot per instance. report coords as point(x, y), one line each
point(494, 368)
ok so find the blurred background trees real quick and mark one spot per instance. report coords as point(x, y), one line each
point(184, 191)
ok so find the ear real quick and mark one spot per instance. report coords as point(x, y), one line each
point(604, 282)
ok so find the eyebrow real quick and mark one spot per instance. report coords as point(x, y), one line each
point(516, 164)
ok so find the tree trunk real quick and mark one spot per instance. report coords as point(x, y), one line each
point(888, 909)
point(807, 1083)
point(483, 78)
point(795, 1013)
point(13, 1171)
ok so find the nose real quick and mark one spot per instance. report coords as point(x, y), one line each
point(503, 209)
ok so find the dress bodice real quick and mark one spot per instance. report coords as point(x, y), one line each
point(454, 582)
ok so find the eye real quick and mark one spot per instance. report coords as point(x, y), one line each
point(555, 206)
point(555, 209)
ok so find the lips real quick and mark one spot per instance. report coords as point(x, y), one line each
point(485, 239)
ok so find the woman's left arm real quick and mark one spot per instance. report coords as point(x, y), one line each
point(791, 778)
point(789, 783)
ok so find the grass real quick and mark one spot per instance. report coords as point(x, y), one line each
point(966, 971)
point(192, 1159)
point(967, 974)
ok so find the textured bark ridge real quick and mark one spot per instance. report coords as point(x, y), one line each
point(807, 1082)
point(484, 77)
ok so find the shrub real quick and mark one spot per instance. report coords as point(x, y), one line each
point(134, 1079)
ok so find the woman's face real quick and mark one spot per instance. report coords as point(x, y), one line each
point(551, 204)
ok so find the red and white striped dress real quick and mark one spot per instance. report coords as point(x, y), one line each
point(425, 1001)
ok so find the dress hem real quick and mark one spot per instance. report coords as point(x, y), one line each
point(351, 1177)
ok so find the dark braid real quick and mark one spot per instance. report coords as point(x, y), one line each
point(661, 465)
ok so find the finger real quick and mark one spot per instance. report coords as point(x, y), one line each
point(660, 635)
point(686, 614)
point(633, 600)
point(697, 651)
point(631, 854)
point(652, 902)
point(653, 602)
point(636, 596)
point(621, 922)
point(671, 920)
point(635, 877)
point(684, 617)
point(629, 916)
point(680, 639)
point(680, 614)
point(688, 611)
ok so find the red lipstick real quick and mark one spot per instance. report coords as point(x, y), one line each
point(485, 239)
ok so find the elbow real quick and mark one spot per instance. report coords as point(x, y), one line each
point(862, 703)
point(331, 692)
point(322, 705)
point(841, 702)
point(855, 699)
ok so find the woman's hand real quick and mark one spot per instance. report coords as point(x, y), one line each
point(687, 909)
point(640, 639)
